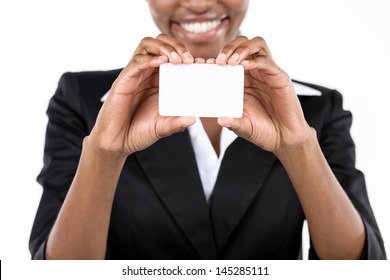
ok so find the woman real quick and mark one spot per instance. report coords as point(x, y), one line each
point(122, 182)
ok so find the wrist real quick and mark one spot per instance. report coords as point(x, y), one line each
point(294, 150)
point(97, 151)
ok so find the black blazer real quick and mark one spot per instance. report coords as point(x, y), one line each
point(160, 211)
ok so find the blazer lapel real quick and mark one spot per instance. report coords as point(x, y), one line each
point(243, 171)
point(171, 168)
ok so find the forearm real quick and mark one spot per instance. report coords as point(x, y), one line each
point(336, 229)
point(81, 228)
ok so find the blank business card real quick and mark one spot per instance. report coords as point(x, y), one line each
point(201, 90)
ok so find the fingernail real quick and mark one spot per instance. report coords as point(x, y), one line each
point(221, 58)
point(245, 62)
point(210, 61)
point(175, 55)
point(199, 60)
point(188, 56)
point(235, 57)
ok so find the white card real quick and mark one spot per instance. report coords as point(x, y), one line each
point(201, 90)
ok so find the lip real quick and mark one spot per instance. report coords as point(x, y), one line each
point(199, 30)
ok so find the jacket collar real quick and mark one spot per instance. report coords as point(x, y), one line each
point(171, 168)
point(243, 172)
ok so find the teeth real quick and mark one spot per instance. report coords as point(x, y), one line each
point(200, 27)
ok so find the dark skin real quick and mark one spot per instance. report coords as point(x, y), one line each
point(273, 120)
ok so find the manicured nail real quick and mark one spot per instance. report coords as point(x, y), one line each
point(221, 58)
point(175, 55)
point(235, 58)
point(188, 56)
point(210, 61)
point(199, 60)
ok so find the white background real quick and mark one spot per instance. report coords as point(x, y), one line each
point(336, 43)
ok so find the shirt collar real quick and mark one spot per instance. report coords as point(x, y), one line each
point(304, 90)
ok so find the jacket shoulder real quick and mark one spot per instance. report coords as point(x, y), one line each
point(311, 85)
point(326, 96)
point(89, 84)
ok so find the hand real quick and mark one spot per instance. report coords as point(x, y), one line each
point(273, 117)
point(128, 120)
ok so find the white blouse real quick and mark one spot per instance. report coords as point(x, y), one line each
point(206, 158)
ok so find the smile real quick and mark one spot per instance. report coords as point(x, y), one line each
point(200, 27)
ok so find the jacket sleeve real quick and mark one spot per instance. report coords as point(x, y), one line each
point(64, 135)
point(339, 149)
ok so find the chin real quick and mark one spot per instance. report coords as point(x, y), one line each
point(204, 51)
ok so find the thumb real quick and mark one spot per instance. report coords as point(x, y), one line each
point(240, 126)
point(167, 126)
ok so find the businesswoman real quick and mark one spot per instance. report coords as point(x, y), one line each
point(122, 182)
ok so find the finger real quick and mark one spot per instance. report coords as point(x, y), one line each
point(179, 47)
point(147, 90)
point(154, 47)
point(264, 63)
point(267, 76)
point(227, 51)
point(210, 61)
point(240, 126)
point(166, 126)
point(150, 83)
point(249, 125)
point(200, 60)
point(250, 49)
point(130, 77)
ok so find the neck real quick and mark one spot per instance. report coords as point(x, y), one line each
point(213, 130)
